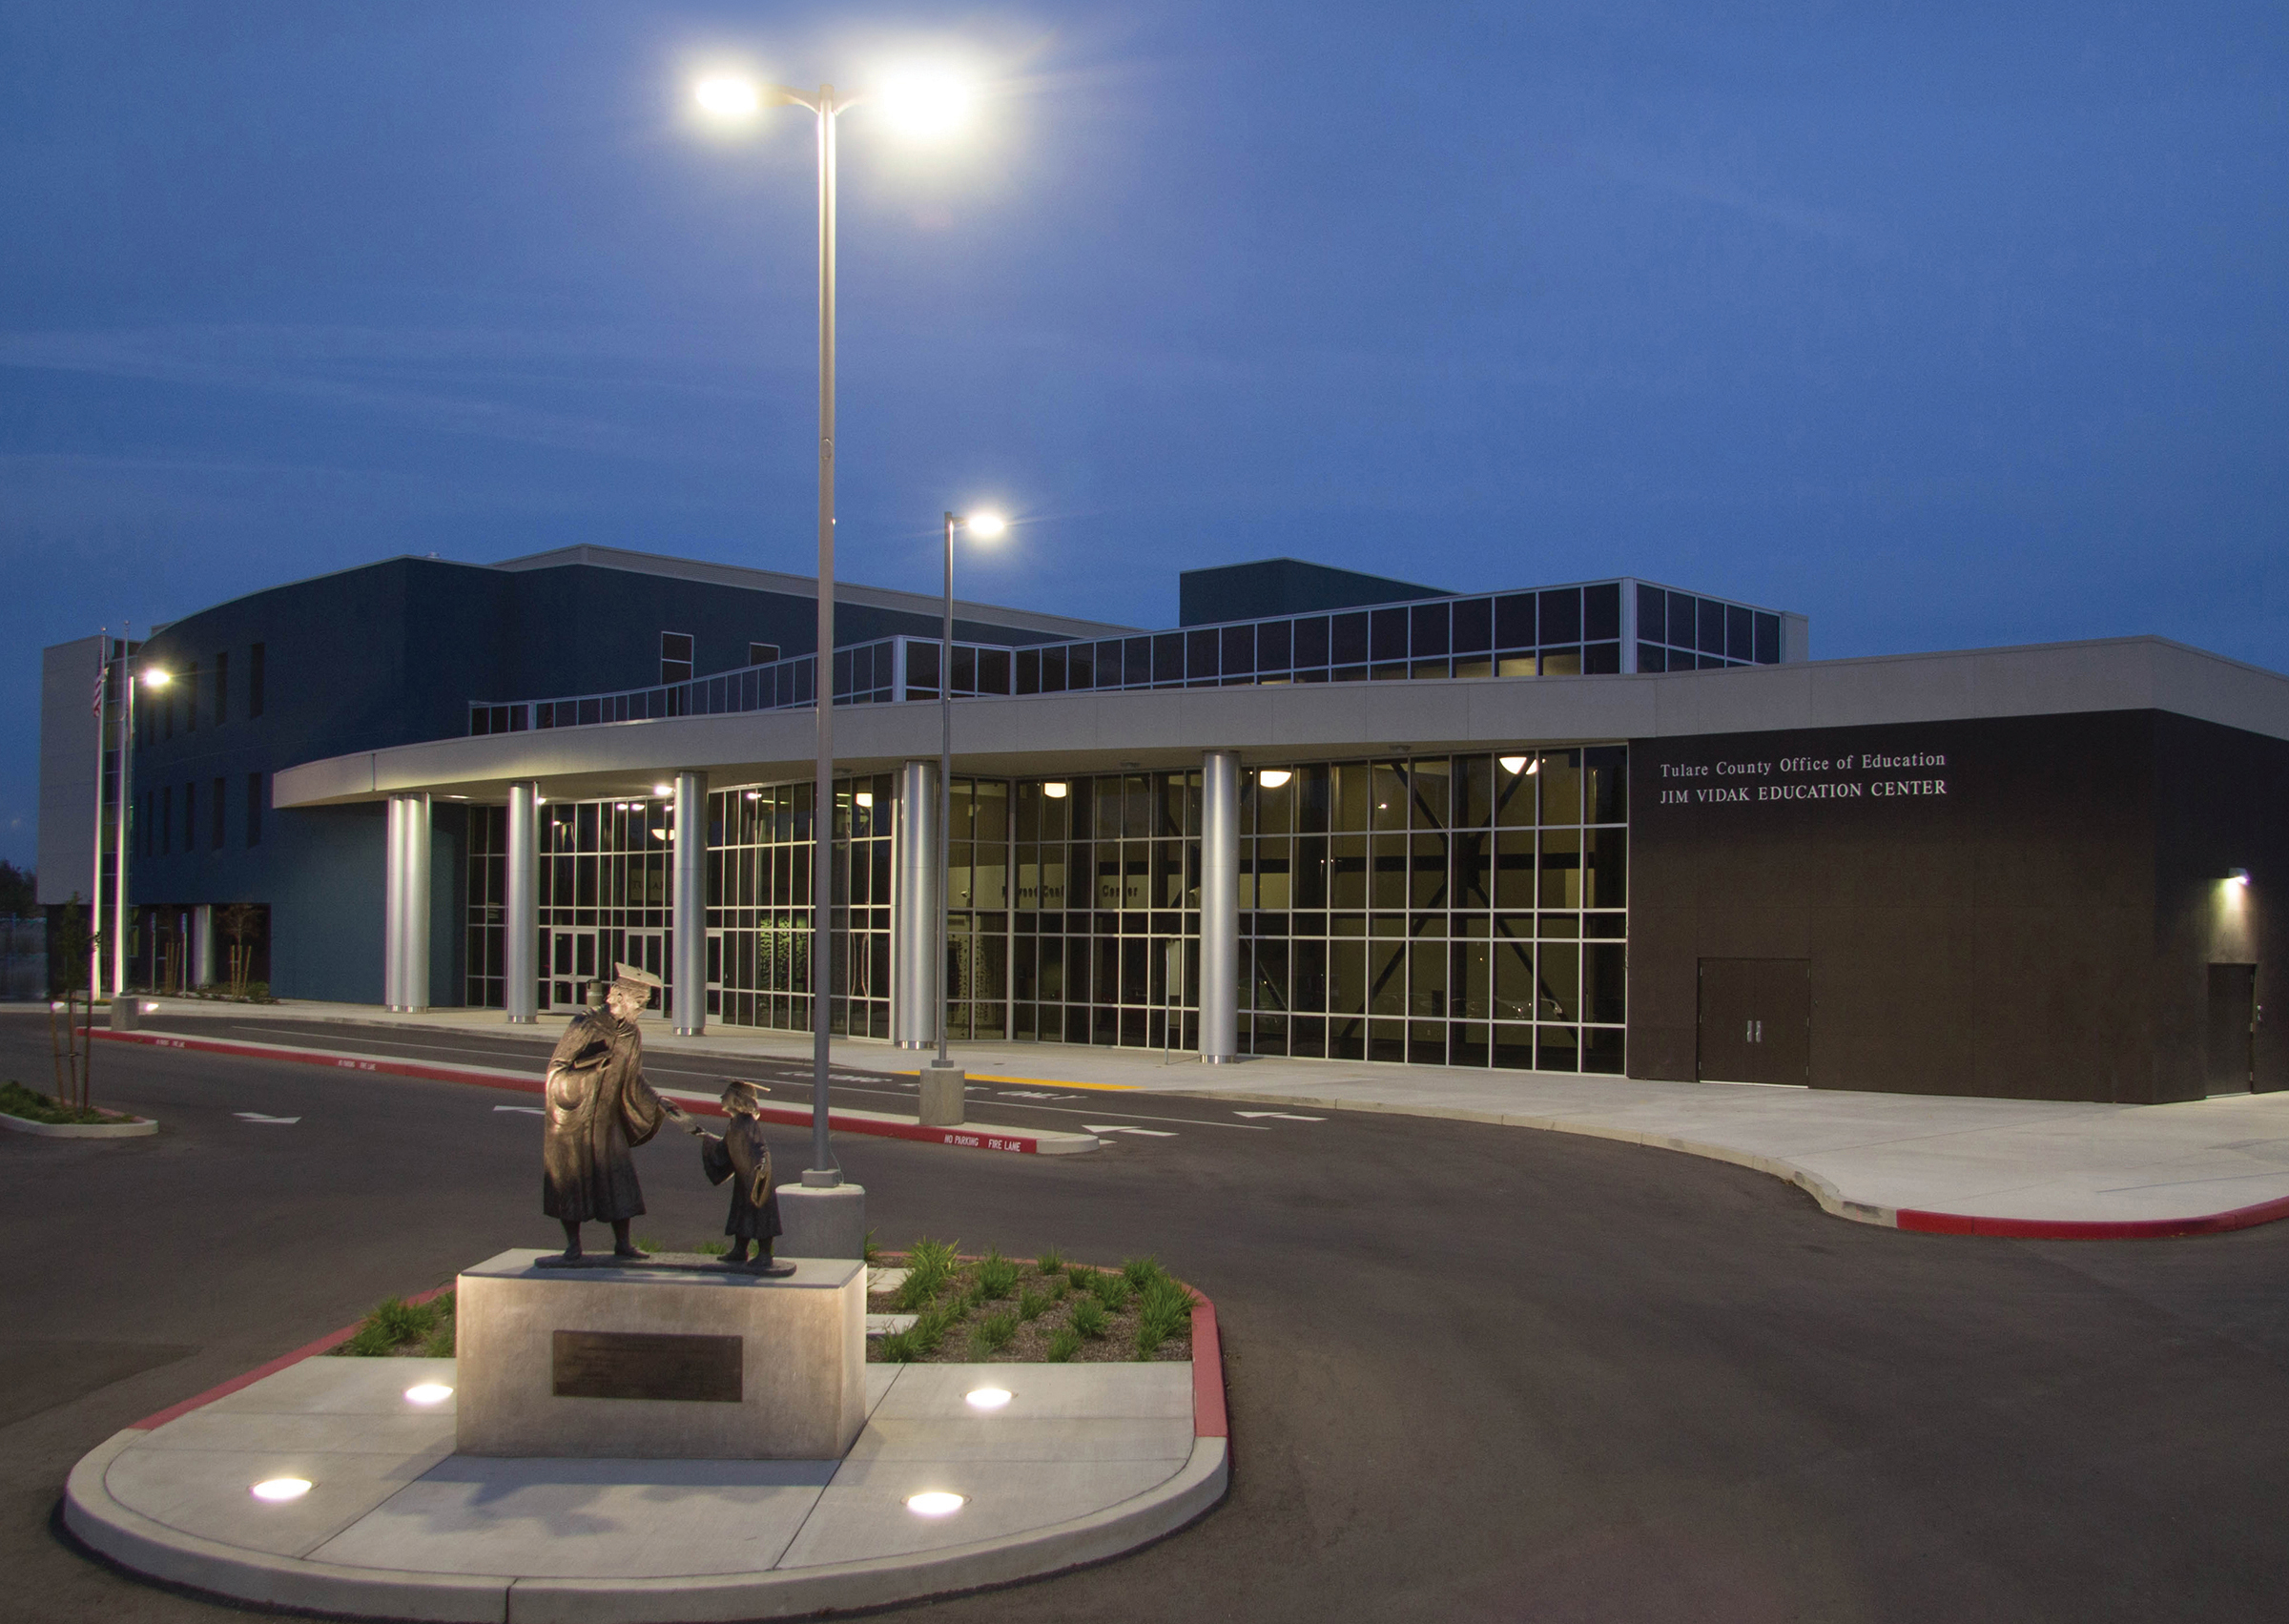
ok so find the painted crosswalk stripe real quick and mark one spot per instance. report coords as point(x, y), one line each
point(259, 1117)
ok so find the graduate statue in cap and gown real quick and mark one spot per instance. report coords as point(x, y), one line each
point(599, 1109)
point(743, 1157)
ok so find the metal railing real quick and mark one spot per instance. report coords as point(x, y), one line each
point(1599, 628)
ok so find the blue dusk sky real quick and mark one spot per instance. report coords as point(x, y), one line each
point(1947, 325)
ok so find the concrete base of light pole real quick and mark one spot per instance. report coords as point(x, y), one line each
point(944, 1087)
point(821, 1221)
point(126, 1011)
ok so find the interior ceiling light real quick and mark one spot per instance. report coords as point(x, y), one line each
point(663, 789)
point(934, 1503)
point(864, 797)
point(281, 1489)
point(1272, 777)
point(755, 794)
point(988, 1398)
point(428, 1392)
point(1055, 789)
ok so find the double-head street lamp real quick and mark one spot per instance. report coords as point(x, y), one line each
point(985, 526)
point(922, 104)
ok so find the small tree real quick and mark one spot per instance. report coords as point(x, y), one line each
point(238, 923)
point(70, 1020)
point(17, 892)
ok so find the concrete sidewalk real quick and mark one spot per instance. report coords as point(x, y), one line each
point(1080, 1462)
point(1915, 1161)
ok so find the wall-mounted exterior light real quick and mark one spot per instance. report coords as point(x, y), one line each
point(1272, 777)
point(1055, 789)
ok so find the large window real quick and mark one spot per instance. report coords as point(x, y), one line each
point(1463, 909)
point(759, 863)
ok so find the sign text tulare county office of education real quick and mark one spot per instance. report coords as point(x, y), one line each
point(1872, 776)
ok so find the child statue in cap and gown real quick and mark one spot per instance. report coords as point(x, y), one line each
point(599, 1108)
point(744, 1158)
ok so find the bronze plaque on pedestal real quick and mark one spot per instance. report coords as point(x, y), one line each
point(641, 1365)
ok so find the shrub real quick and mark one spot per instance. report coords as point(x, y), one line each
point(993, 1334)
point(869, 1253)
point(996, 1276)
point(1090, 1319)
point(1065, 1343)
point(392, 1324)
point(1164, 1309)
point(1032, 1304)
point(1050, 1262)
point(929, 1265)
point(440, 1343)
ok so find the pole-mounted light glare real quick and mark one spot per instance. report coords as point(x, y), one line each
point(926, 102)
point(986, 525)
point(728, 96)
point(2238, 877)
point(156, 677)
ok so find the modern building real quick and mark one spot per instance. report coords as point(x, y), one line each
point(1605, 827)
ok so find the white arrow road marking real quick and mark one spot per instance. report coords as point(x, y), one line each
point(259, 1117)
point(1122, 1128)
point(1022, 1094)
point(1284, 1115)
point(531, 1110)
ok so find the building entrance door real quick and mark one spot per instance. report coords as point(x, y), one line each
point(1756, 1020)
point(572, 963)
point(2233, 1029)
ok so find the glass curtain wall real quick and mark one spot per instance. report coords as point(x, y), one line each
point(1104, 933)
point(759, 906)
point(1465, 910)
point(488, 901)
point(603, 894)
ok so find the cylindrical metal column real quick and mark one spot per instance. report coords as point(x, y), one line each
point(521, 918)
point(202, 945)
point(406, 906)
point(1220, 907)
point(688, 905)
point(917, 1006)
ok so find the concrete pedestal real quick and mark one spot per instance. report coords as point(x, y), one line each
point(647, 1363)
point(942, 1098)
point(826, 1221)
point(125, 1013)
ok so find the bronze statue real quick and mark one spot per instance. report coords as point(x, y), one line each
point(743, 1155)
point(599, 1108)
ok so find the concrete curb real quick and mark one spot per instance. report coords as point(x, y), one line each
point(151, 1549)
point(969, 1136)
point(135, 1129)
point(1833, 1202)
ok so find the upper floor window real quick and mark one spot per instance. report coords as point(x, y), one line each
point(762, 653)
point(222, 687)
point(254, 681)
point(190, 699)
point(675, 656)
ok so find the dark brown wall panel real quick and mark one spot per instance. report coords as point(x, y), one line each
point(1980, 922)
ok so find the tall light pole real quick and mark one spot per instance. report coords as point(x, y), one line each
point(924, 104)
point(985, 526)
point(155, 677)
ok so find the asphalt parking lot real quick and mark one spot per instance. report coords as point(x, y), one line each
point(1475, 1372)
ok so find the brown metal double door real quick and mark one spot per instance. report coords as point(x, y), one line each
point(1756, 1020)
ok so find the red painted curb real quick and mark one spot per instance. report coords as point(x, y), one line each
point(308, 1350)
point(787, 1116)
point(1208, 1417)
point(2091, 1229)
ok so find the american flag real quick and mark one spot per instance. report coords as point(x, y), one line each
point(96, 708)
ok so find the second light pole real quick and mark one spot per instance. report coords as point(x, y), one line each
point(943, 1083)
